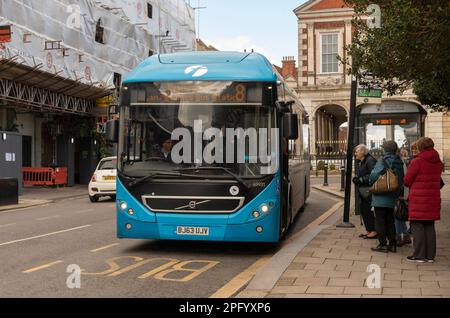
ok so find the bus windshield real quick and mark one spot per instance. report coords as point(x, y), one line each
point(154, 112)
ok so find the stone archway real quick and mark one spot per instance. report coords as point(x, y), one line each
point(330, 130)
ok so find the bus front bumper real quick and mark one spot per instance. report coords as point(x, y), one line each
point(247, 232)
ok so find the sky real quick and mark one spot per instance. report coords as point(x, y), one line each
point(268, 27)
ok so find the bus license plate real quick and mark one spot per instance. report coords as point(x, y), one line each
point(195, 231)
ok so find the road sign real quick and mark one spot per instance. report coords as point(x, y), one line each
point(369, 96)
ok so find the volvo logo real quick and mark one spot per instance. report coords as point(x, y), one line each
point(234, 190)
point(192, 205)
point(197, 70)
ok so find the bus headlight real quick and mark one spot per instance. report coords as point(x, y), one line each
point(256, 214)
point(123, 205)
point(264, 208)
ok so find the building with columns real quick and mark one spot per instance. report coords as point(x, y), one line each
point(323, 86)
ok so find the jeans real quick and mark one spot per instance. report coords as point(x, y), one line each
point(385, 225)
point(401, 228)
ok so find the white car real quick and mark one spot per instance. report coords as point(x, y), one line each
point(103, 181)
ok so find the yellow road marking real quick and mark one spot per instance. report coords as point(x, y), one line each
point(113, 266)
point(34, 269)
point(49, 217)
point(166, 265)
point(104, 247)
point(44, 235)
point(241, 279)
point(180, 268)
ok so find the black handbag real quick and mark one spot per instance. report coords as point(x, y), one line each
point(442, 183)
point(401, 209)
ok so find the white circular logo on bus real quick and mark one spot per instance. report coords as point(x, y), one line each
point(234, 190)
point(197, 70)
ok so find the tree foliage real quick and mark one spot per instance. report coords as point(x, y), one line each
point(409, 49)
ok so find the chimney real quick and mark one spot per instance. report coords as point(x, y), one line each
point(289, 68)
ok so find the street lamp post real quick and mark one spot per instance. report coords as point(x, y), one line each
point(348, 179)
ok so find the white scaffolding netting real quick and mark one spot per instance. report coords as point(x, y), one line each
point(59, 36)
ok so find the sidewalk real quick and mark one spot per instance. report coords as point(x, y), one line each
point(33, 196)
point(334, 264)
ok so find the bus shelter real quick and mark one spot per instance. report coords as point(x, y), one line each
point(400, 121)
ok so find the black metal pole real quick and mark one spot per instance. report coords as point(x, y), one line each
point(325, 175)
point(348, 178)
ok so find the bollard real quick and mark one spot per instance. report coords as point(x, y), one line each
point(325, 175)
point(342, 178)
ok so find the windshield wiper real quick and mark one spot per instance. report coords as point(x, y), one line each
point(231, 173)
point(137, 181)
point(151, 176)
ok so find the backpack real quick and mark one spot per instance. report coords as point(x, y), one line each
point(387, 181)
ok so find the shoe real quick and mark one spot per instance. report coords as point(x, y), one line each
point(363, 236)
point(392, 248)
point(415, 260)
point(380, 248)
point(371, 237)
point(400, 242)
point(429, 260)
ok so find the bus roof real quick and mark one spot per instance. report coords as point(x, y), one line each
point(204, 66)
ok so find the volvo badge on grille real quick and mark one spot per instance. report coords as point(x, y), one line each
point(192, 205)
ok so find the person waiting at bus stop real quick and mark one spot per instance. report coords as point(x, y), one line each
point(365, 164)
point(424, 181)
point(384, 204)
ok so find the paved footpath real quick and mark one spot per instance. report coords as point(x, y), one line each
point(335, 263)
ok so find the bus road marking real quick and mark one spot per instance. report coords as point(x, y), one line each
point(49, 217)
point(157, 268)
point(192, 273)
point(104, 247)
point(34, 269)
point(45, 235)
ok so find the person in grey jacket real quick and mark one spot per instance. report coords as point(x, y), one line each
point(384, 203)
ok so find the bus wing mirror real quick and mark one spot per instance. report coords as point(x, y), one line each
point(112, 131)
point(290, 126)
point(284, 107)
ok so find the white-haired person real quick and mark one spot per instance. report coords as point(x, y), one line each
point(365, 164)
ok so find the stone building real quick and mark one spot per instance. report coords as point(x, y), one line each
point(323, 86)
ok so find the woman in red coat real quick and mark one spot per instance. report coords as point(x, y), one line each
point(423, 178)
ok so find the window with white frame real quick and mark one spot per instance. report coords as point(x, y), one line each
point(329, 53)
